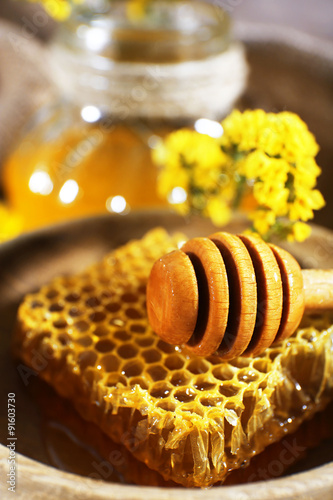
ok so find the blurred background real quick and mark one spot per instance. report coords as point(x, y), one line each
point(279, 57)
point(309, 16)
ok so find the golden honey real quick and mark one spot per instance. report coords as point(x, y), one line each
point(194, 420)
point(84, 171)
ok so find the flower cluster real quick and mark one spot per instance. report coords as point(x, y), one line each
point(196, 175)
point(61, 9)
point(263, 163)
point(58, 9)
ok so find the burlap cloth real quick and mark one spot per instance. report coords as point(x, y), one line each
point(25, 81)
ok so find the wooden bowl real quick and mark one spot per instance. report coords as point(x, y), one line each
point(32, 260)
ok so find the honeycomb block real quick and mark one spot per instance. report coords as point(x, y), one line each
point(192, 419)
point(67, 434)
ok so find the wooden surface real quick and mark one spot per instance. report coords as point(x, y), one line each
point(318, 289)
point(270, 295)
point(39, 482)
point(309, 16)
point(213, 294)
point(293, 294)
point(243, 294)
point(172, 298)
point(27, 263)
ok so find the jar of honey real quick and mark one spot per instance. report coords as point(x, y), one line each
point(125, 79)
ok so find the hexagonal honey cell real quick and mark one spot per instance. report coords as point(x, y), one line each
point(192, 419)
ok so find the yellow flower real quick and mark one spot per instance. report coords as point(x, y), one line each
point(10, 223)
point(58, 9)
point(197, 149)
point(171, 178)
point(243, 129)
point(187, 147)
point(61, 9)
point(283, 134)
point(271, 139)
point(136, 9)
point(305, 173)
point(299, 140)
point(273, 196)
point(270, 156)
point(218, 211)
point(259, 165)
point(305, 202)
point(189, 159)
point(263, 220)
point(299, 232)
point(270, 176)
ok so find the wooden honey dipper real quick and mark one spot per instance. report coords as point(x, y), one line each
point(232, 295)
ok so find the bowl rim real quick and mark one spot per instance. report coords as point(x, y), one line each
point(57, 483)
point(259, 32)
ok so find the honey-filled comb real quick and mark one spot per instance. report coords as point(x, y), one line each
point(193, 419)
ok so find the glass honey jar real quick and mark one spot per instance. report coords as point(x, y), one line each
point(123, 82)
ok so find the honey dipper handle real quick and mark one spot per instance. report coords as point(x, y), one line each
point(318, 289)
